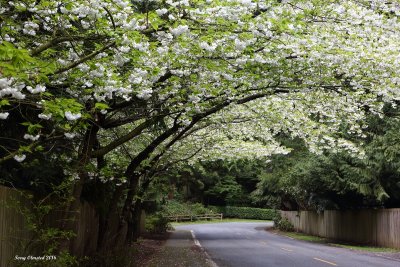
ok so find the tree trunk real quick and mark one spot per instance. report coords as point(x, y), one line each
point(108, 232)
point(134, 223)
point(72, 212)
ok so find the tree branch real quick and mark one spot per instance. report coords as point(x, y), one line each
point(51, 43)
point(132, 134)
point(85, 58)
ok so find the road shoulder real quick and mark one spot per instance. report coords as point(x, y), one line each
point(391, 255)
point(180, 250)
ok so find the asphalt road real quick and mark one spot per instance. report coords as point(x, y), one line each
point(249, 245)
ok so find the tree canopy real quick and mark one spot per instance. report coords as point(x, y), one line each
point(109, 93)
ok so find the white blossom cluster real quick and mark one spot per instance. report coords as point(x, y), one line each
point(9, 87)
point(72, 116)
point(320, 62)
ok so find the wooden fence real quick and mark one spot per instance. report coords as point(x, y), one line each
point(13, 230)
point(380, 227)
point(15, 237)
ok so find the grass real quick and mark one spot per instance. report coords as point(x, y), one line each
point(366, 248)
point(304, 237)
point(317, 239)
point(217, 221)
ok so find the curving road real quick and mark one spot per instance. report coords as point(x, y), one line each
point(249, 245)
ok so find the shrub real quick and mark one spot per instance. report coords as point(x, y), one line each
point(217, 209)
point(245, 212)
point(198, 209)
point(283, 224)
point(45, 236)
point(173, 208)
point(157, 223)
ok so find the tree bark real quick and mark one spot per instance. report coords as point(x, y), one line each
point(72, 211)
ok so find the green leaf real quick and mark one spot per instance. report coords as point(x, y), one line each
point(101, 106)
point(4, 102)
point(32, 128)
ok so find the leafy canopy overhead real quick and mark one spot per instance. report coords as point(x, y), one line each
point(312, 65)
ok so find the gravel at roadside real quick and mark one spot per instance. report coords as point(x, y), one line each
point(178, 251)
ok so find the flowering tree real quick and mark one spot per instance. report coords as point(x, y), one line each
point(146, 78)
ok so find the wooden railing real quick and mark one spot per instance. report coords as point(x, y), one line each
point(185, 217)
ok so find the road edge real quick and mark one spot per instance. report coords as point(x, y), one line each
point(198, 244)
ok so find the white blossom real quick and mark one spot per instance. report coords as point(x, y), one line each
point(30, 28)
point(124, 49)
point(245, 2)
point(5, 82)
point(239, 45)
point(69, 135)
point(207, 47)
point(181, 29)
point(44, 116)
point(38, 89)
point(3, 115)
point(31, 137)
point(20, 158)
point(71, 117)
point(162, 11)
point(145, 94)
point(83, 67)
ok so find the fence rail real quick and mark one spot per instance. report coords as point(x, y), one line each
point(185, 217)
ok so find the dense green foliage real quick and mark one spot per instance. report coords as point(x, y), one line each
point(157, 223)
point(174, 208)
point(336, 180)
point(216, 182)
point(246, 212)
point(332, 179)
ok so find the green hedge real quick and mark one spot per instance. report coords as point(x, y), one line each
point(173, 208)
point(245, 212)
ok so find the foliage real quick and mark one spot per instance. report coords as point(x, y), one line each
point(217, 209)
point(121, 90)
point(213, 221)
point(282, 223)
point(219, 182)
point(335, 180)
point(246, 212)
point(159, 61)
point(46, 236)
point(173, 208)
point(157, 223)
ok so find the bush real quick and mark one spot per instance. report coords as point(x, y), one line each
point(245, 212)
point(198, 209)
point(283, 224)
point(173, 208)
point(218, 209)
point(157, 223)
